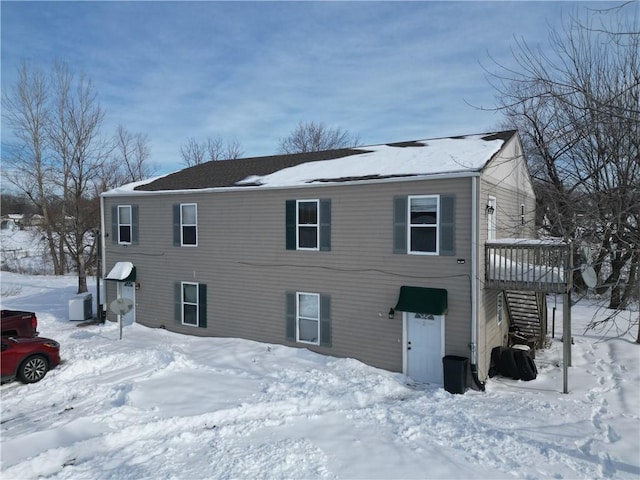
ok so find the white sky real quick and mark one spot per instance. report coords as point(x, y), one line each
point(251, 71)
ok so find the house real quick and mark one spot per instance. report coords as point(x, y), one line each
point(383, 253)
point(12, 221)
point(8, 224)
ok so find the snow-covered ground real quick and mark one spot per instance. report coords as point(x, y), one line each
point(158, 405)
point(23, 251)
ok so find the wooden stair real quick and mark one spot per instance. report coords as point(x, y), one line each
point(528, 314)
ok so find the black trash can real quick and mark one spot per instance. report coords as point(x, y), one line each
point(455, 373)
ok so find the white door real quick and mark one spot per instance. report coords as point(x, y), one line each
point(425, 347)
point(128, 290)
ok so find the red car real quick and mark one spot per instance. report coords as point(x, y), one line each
point(28, 359)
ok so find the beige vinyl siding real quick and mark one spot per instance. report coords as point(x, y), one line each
point(494, 334)
point(506, 179)
point(241, 256)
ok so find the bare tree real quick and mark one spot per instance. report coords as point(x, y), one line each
point(131, 157)
point(61, 161)
point(577, 110)
point(315, 137)
point(81, 151)
point(27, 112)
point(193, 153)
point(210, 150)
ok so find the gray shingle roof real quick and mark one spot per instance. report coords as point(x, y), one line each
point(228, 173)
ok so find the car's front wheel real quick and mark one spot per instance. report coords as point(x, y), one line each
point(33, 369)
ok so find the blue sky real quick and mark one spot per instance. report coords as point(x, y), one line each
point(251, 71)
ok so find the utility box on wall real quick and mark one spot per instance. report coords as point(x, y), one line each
point(81, 307)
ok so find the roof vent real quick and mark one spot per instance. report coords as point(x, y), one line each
point(407, 144)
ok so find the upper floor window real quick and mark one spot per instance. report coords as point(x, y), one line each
point(308, 224)
point(424, 224)
point(308, 227)
point(185, 224)
point(124, 224)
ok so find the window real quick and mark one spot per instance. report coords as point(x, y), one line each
point(500, 307)
point(124, 224)
point(185, 225)
point(308, 224)
point(308, 228)
point(191, 304)
point(423, 224)
point(491, 218)
point(308, 318)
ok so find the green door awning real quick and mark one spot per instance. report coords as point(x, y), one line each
point(432, 301)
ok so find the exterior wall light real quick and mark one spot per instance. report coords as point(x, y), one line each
point(490, 209)
point(392, 313)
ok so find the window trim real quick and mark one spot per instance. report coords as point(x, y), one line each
point(308, 225)
point(183, 303)
point(299, 317)
point(121, 224)
point(436, 226)
point(183, 225)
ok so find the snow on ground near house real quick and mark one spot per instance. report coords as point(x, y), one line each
point(22, 250)
point(162, 405)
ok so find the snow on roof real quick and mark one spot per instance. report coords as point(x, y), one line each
point(454, 155)
point(120, 271)
point(527, 241)
point(425, 157)
point(130, 187)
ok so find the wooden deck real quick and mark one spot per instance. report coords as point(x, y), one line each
point(528, 265)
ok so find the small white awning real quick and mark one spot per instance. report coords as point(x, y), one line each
point(122, 272)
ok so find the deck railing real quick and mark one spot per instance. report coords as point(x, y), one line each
point(524, 264)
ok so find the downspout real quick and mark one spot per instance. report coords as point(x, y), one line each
point(474, 284)
point(101, 252)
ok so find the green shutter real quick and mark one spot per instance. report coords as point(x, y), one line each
point(178, 303)
point(114, 224)
point(325, 224)
point(325, 320)
point(290, 224)
point(447, 225)
point(291, 317)
point(176, 225)
point(134, 224)
point(202, 305)
point(400, 224)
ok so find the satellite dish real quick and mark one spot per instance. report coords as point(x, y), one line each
point(121, 306)
point(589, 276)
